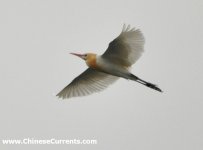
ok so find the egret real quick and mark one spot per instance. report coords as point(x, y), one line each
point(113, 64)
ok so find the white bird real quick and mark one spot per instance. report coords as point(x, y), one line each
point(105, 69)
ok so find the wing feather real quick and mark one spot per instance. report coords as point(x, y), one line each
point(90, 81)
point(127, 48)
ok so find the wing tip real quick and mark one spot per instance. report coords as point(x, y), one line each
point(124, 26)
point(128, 28)
point(62, 96)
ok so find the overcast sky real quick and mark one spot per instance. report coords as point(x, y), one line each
point(36, 38)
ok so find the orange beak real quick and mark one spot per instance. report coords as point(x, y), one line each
point(79, 55)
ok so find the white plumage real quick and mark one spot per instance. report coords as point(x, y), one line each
point(127, 48)
point(88, 82)
point(105, 69)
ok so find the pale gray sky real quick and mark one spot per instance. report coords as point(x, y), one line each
point(36, 38)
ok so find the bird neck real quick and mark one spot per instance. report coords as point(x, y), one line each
point(91, 61)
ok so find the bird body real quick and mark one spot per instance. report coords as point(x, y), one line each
point(105, 69)
point(109, 67)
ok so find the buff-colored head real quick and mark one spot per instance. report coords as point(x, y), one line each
point(90, 58)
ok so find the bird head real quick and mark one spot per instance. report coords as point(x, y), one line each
point(89, 58)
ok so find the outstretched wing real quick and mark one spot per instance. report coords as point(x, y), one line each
point(90, 81)
point(126, 49)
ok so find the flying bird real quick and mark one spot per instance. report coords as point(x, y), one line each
point(113, 64)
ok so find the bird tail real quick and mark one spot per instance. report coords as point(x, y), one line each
point(150, 85)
